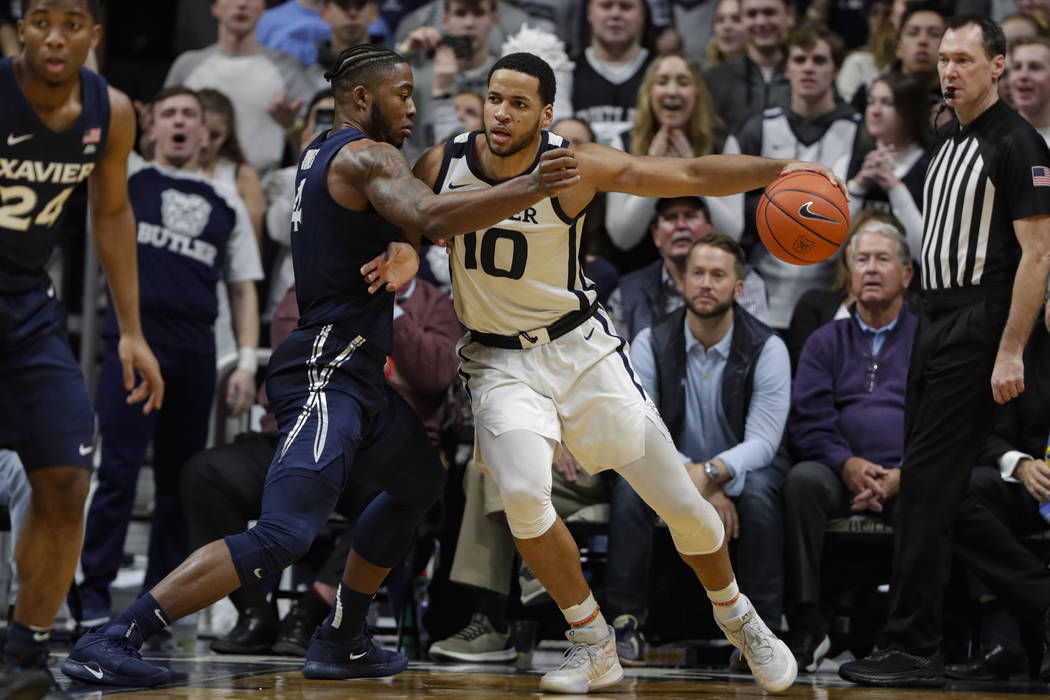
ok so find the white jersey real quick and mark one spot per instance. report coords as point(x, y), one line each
point(523, 273)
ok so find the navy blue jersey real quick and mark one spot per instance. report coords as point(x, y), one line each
point(184, 226)
point(330, 244)
point(39, 168)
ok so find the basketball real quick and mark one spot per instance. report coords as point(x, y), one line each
point(802, 218)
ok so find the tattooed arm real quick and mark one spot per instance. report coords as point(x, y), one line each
point(380, 173)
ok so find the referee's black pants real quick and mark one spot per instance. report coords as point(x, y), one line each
point(949, 413)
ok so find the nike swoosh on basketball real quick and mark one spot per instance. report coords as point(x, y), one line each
point(13, 140)
point(355, 657)
point(96, 673)
point(456, 187)
point(808, 213)
point(85, 450)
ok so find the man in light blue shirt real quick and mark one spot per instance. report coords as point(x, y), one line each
point(721, 380)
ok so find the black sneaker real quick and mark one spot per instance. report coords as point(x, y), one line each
point(809, 649)
point(895, 668)
point(360, 657)
point(30, 683)
point(630, 644)
point(254, 633)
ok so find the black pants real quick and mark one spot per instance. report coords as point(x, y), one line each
point(813, 495)
point(949, 414)
point(993, 515)
point(222, 491)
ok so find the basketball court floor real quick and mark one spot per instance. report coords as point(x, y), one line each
point(201, 674)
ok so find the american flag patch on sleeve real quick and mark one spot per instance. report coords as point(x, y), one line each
point(94, 135)
point(1041, 175)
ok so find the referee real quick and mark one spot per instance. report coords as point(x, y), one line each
point(985, 258)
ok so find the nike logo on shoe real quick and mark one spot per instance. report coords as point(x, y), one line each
point(96, 671)
point(355, 657)
point(13, 140)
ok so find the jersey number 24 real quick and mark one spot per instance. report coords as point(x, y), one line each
point(19, 200)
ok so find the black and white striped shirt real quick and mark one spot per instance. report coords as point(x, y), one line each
point(983, 178)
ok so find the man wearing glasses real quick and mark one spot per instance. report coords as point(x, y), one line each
point(847, 421)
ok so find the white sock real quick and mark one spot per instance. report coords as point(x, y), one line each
point(586, 615)
point(728, 602)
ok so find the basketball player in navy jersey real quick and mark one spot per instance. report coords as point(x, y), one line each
point(543, 364)
point(60, 125)
point(339, 420)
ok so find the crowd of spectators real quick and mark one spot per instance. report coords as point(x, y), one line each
point(791, 417)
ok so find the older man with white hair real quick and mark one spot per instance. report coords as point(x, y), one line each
point(847, 421)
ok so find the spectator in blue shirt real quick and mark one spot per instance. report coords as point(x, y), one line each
point(847, 421)
point(722, 382)
point(296, 26)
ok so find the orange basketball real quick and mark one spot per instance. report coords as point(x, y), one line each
point(802, 218)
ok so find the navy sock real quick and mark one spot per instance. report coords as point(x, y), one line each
point(142, 620)
point(347, 616)
point(26, 646)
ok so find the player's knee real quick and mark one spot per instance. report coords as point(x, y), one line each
point(276, 541)
point(529, 513)
point(59, 490)
point(701, 532)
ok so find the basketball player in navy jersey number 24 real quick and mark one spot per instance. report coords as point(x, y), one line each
point(543, 364)
point(60, 124)
point(341, 424)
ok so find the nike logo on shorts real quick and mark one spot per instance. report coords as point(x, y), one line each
point(589, 334)
point(85, 450)
point(456, 187)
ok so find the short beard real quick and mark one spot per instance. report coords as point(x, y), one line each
point(514, 146)
point(382, 129)
point(720, 309)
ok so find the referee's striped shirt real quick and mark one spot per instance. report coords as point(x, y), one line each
point(983, 177)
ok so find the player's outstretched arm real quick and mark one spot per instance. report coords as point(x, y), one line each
point(383, 174)
point(1029, 287)
point(609, 170)
point(113, 229)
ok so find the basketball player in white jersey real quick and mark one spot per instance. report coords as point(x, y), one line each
point(543, 364)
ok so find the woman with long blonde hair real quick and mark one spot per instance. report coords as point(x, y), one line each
point(674, 117)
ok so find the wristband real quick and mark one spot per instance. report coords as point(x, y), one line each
point(247, 360)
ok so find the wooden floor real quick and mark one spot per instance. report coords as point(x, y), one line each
point(262, 678)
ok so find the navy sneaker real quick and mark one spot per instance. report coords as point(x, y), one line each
point(110, 656)
point(630, 644)
point(32, 682)
point(359, 658)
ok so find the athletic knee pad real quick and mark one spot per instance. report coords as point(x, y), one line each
point(276, 541)
point(529, 515)
point(697, 530)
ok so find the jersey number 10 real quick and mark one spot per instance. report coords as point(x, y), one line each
point(489, 239)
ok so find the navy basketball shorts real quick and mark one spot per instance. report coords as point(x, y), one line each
point(45, 411)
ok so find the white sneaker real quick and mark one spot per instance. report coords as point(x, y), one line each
point(590, 663)
point(771, 662)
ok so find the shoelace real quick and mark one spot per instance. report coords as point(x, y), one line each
point(757, 641)
point(579, 654)
point(122, 643)
point(471, 632)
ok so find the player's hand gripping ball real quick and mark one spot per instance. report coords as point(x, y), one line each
point(802, 218)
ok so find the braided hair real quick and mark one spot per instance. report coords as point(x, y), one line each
point(360, 65)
